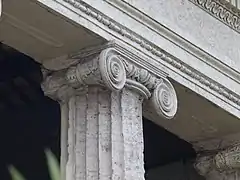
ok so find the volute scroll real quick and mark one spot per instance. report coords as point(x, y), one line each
point(114, 71)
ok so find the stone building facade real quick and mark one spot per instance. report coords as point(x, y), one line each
point(109, 63)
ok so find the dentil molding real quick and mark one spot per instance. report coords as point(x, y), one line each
point(222, 10)
point(113, 70)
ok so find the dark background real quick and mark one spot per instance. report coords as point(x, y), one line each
point(30, 123)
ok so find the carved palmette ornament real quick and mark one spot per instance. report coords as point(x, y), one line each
point(210, 6)
point(160, 90)
point(114, 72)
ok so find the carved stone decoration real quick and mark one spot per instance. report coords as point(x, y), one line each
point(222, 10)
point(228, 159)
point(165, 99)
point(101, 100)
point(203, 165)
point(106, 69)
point(157, 51)
point(114, 71)
point(146, 81)
point(224, 165)
point(56, 87)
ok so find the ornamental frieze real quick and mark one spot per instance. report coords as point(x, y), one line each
point(222, 10)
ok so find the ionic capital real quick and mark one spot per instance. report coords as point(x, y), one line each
point(114, 71)
point(224, 165)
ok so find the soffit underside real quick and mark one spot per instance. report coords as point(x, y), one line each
point(197, 119)
point(41, 34)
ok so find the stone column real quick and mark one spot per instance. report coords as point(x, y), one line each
point(101, 102)
point(0, 8)
point(224, 165)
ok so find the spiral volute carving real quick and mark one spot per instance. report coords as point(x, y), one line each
point(112, 71)
point(164, 99)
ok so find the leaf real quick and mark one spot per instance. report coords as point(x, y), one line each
point(15, 174)
point(53, 166)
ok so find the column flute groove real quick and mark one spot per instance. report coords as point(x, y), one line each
point(103, 95)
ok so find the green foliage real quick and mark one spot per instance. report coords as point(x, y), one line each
point(53, 167)
point(16, 175)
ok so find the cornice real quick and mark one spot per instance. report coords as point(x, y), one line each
point(156, 51)
point(222, 10)
point(180, 41)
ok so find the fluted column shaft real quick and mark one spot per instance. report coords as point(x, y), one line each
point(105, 139)
point(101, 109)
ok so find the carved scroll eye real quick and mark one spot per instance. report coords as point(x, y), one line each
point(164, 99)
point(112, 71)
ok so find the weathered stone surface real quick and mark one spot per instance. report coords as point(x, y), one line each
point(224, 165)
point(194, 47)
point(95, 128)
point(0, 8)
point(197, 50)
point(198, 26)
point(101, 102)
point(111, 69)
point(105, 139)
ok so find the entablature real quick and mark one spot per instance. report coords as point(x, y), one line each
point(154, 43)
point(189, 63)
